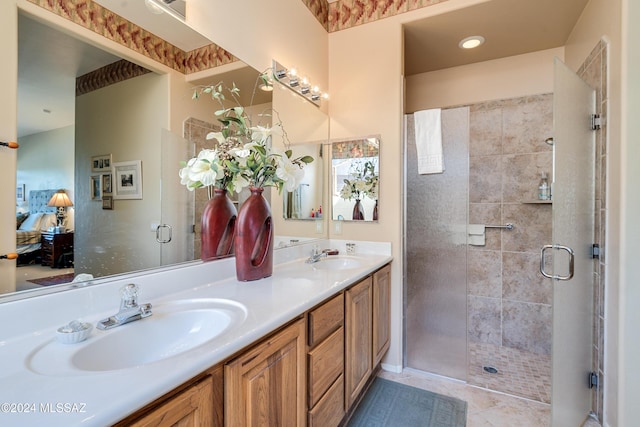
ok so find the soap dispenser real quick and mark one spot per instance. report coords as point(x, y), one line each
point(544, 191)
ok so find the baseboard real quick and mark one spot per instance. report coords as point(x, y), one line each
point(396, 369)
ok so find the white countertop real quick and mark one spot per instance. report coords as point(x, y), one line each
point(103, 398)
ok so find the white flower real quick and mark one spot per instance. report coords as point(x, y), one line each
point(345, 193)
point(239, 182)
point(290, 173)
point(260, 133)
point(218, 136)
point(361, 185)
point(205, 169)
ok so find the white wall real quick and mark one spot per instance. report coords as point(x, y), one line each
point(124, 120)
point(259, 31)
point(630, 212)
point(602, 19)
point(45, 161)
point(512, 77)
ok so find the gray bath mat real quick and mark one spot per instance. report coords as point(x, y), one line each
point(390, 404)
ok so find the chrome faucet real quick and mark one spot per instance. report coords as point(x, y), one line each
point(129, 309)
point(315, 256)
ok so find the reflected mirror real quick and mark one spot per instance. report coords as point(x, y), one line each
point(108, 127)
point(355, 179)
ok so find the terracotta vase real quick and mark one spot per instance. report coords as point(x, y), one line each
point(375, 211)
point(218, 226)
point(254, 238)
point(358, 211)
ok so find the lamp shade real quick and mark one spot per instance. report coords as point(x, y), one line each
point(60, 200)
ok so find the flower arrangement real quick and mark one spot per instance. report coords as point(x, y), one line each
point(364, 182)
point(244, 155)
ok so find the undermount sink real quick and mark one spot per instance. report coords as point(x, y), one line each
point(172, 329)
point(337, 263)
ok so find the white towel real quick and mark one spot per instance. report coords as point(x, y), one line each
point(428, 128)
point(476, 234)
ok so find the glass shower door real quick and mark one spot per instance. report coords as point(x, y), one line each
point(573, 227)
point(436, 253)
point(175, 230)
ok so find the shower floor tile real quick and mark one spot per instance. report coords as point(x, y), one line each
point(520, 373)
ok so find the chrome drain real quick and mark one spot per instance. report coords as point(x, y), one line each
point(490, 369)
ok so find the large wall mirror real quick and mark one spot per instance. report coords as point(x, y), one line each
point(124, 125)
point(355, 179)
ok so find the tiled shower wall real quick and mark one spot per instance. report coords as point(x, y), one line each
point(509, 301)
point(594, 72)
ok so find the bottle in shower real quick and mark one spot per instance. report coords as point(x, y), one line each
point(544, 191)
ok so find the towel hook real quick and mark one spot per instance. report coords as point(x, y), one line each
point(10, 144)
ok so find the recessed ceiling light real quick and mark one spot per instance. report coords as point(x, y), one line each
point(471, 42)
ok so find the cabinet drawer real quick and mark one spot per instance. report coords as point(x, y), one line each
point(326, 363)
point(325, 319)
point(330, 409)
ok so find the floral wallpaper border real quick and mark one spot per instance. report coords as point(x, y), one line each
point(104, 22)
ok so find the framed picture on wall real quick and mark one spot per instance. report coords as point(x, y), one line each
point(101, 163)
point(127, 178)
point(96, 187)
point(107, 203)
point(106, 184)
point(20, 193)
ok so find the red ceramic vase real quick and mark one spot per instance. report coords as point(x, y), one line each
point(254, 238)
point(358, 211)
point(218, 226)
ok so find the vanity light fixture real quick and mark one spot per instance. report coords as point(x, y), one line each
point(471, 42)
point(300, 85)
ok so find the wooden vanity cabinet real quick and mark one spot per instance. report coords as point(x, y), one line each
point(358, 338)
point(325, 363)
point(265, 386)
point(381, 313)
point(198, 404)
point(367, 330)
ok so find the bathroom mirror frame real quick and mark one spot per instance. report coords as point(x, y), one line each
point(62, 287)
point(355, 176)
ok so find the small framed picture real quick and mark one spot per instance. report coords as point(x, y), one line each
point(107, 203)
point(20, 193)
point(106, 184)
point(101, 163)
point(96, 187)
point(128, 180)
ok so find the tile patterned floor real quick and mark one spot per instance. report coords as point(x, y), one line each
point(485, 408)
point(520, 373)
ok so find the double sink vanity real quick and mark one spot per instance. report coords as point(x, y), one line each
point(297, 348)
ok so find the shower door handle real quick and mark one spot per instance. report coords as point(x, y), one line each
point(158, 232)
point(571, 262)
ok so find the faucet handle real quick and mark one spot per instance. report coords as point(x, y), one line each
point(129, 295)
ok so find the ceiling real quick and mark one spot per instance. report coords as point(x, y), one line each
point(510, 27)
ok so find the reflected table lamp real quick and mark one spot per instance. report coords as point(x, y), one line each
point(60, 200)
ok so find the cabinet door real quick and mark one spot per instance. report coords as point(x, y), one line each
point(358, 360)
point(381, 312)
point(266, 385)
point(190, 408)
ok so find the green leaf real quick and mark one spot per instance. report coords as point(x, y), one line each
point(207, 90)
point(307, 159)
point(288, 153)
